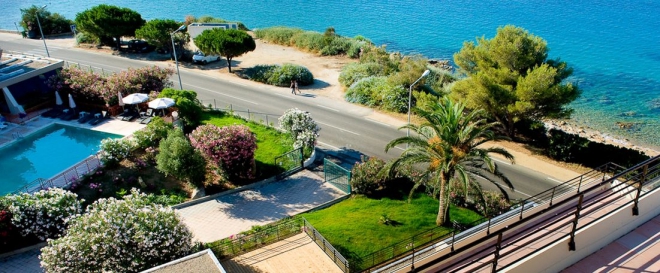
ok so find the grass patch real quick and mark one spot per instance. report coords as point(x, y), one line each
point(354, 226)
point(271, 143)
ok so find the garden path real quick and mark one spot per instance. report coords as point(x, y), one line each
point(230, 214)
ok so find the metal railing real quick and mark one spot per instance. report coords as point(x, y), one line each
point(329, 250)
point(587, 203)
point(65, 178)
point(240, 243)
point(549, 197)
point(289, 162)
point(270, 120)
point(93, 69)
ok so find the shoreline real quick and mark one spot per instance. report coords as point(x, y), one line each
point(327, 69)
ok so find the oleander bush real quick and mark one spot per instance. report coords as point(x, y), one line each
point(302, 128)
point(189, 107)
point(128, 235)
point(325, 44)
point(353, 72)
point(231, 148)
point(377, 92)
point(45, 213)
point(364, 176)
point(151, 136)
point(279, 75)
point(180, 159)
point(114, 151)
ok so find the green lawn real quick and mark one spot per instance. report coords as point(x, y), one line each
point(270, 142)
point(353, 227)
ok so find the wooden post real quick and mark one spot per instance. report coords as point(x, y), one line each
point(552, 196)
point(635, 209)
point(580, 184)
point(498, 247)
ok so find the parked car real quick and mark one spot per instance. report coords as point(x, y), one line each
point(140, 46)
point(199, 57)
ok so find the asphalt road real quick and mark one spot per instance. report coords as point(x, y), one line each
point(343, 125)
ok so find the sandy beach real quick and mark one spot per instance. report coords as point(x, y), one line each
point(326, 73)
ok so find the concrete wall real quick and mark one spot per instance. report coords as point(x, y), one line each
point(588, 240)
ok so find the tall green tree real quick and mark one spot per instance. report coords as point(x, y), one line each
point(51, 23)
point(511, 78)
point(446, 145)
point(229, 43)
point(106, 22)
point(157, 32)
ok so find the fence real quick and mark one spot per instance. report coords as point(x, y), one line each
point(418, 249)
point(94, 69)
point(290, 162)
point(65, 178)
point(270, 120)
point(589, 203)
point(228, 248)
point(329, 250)
point(337, 176)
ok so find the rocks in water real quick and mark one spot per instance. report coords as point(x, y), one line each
point(442, 64)
point(625, 125)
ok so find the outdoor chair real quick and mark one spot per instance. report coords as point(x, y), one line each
point(85, 117)
point(69, 114)
point(52, 113)
point(130, 115)
point(145, 117)
point(98, 118)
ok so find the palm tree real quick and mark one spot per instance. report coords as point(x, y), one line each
point(447, 145)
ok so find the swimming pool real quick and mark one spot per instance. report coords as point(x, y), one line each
point(46, 153)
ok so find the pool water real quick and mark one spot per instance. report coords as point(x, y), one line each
point(46, 153)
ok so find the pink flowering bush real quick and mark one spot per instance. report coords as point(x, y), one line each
point(98, 88)
point(128, 235)
point(230, 147)
point(45, 213)
point(364, 175)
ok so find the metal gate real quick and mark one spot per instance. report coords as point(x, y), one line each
point(337, 176)
point(289, 162)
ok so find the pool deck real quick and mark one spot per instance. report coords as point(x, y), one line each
point(110, 125)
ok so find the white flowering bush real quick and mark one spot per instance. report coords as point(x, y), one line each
point(115, 150)
point(45, 213)
point(128, 235)
point(301, 126)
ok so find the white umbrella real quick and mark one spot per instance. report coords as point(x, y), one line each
point(72, 104)
point(119, 98)
point(135, 98)
point(161, 103)
point(11, 101)
point(58, 99)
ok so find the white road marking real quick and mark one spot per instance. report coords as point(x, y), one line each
point(501, 161)
point(341, 129)
point(397, 147)
point(326, 107)
point(285, 95)
point(375, 121)
point(233, 97)
point(331, 146)
point(550, 178)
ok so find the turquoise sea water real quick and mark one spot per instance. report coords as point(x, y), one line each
point(612, 45)
point(46, 153)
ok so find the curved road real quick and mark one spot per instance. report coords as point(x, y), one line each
point(343, 125)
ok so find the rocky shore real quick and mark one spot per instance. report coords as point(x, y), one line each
point(596, 136)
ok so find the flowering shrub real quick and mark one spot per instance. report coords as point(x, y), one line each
point(178, 158)
point(151, 136)
point(230, 147)
point(127, 235)
point(301, 126)
point(364, 176)
point(97, 88)
point(488, 203)
point(115, 150)
point(6, 227)
point(45, 213)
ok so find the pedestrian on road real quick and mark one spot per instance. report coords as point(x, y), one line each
point(293, 87)
point(295, 82)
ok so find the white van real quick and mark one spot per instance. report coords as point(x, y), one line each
point(199, 57)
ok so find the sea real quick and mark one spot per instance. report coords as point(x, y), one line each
point(613, 46)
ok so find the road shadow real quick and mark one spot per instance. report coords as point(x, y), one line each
point(151, 56)
point(306, 95)
point(318, 84)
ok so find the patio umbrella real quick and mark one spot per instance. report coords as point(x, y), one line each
point(161, 103)
point(119, 98)
point(58, 99)
point(72, 103)
point(135, 98)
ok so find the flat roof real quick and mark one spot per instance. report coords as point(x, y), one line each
point(200, 262)
point(16, 67)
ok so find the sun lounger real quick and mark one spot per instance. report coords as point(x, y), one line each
point(98, 118)
point(52, 113)
point(85, 117)
point(145, 117)
point(69, 115)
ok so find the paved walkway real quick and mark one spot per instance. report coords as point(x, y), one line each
point(296, 254)
point(230, 214)
point(26, 262)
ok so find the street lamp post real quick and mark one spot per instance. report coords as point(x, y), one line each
point(426, 73)
point(41, 31)
point(176, 60)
